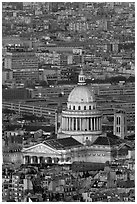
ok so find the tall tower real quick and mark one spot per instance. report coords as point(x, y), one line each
point(120, 123)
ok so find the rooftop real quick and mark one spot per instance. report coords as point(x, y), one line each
point(63, 143)
point(109, 141)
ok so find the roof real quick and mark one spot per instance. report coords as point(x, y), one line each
point(87, 166)
point(12, 127)
point(130, 137)
point(12, 148)
point(104, 140)
point(81, 94)
point(63, 143)
point(126, 184)
point(29, 128)
point(36, 128)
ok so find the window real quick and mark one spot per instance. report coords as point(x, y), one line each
point(117, 129)
point(117, 120)
point(89, 107)
point(73, 107)
point(78, 107)
point(69, 107)
point(84, 107)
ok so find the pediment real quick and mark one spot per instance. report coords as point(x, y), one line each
point(40, 148)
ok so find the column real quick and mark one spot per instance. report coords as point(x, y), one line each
point(63, 123)
point(45, 159)
point(66, 123)
point(76, 124)
point(91, 124)
point(94, 123)
point(31, 160)
point(82, 128)
point(80, 123)
point(100, 123)
point(83, 124)
point(72, 123)
point(38, 158)
point(24, 160)
point(53, 161)
point(69, 123)
point(87, 124)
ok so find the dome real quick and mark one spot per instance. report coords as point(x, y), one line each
point(81, 94)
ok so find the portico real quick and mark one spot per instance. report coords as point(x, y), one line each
point(43, 154)
point(27, 159)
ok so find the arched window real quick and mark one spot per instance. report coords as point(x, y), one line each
point(84, 107)
point(89, 107)
point(81, 78)
point(78, 107)
point(73, 107)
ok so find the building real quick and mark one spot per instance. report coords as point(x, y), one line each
point(18, 59)
point(120, 124)
point(79, 138)
point(22, 61)
point(81, 120)
point(12, 154)
point(7, 76)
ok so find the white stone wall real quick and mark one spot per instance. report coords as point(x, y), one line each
point(91, 154)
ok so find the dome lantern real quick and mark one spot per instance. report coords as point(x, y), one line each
point(81, 78)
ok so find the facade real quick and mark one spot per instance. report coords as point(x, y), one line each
point(13, 188)
point(68, 150)
point(17, 60)
point(81, 120)
point(23, 63)
point(55, 151)
point(120, 124)
point(7, 76)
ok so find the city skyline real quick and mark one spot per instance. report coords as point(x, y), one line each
point(68, 101)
